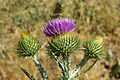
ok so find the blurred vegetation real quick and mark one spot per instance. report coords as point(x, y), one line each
point(94, 19)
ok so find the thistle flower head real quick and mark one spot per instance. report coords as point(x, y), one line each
point(93, 48)
point(64, 44)
point(59, 26)
point(28, 45)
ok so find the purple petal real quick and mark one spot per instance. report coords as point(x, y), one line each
point(59, 26)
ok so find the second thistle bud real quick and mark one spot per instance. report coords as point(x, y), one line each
point(93, 48)
point(64, 44)
point(28, 45)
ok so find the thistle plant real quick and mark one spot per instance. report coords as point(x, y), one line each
point(62, 43)
point(28, 47)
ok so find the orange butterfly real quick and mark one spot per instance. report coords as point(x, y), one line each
point(57, 12)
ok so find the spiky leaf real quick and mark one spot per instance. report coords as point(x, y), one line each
point(29, 76)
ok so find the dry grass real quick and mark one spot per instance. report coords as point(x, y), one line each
point(93, 18)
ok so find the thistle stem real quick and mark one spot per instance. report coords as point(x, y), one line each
point(79, 66)
point(40, 68)
point(58, 62)
point(66, 62)
point(79, 74)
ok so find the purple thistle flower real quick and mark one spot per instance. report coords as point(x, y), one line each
point(59, 26)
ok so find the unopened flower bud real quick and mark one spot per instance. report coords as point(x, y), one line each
point(93, 48)
point(28, 45)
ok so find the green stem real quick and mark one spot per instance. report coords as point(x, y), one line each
point(40, 68)
point(58, 62)
point(79, 74)
point(66, 62)
point(79, 66)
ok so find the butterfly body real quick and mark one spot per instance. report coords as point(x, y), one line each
point(57, 12)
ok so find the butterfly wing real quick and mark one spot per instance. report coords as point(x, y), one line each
point(57, 12)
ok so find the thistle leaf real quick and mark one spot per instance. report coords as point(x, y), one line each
point(29, 76)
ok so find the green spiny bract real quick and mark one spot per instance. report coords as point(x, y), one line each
point(28, 46)
point(93, 49)
point(64, 44)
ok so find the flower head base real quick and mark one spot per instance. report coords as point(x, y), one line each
point(28, 45)
point(64, 44)
point(59, 26)
point(93, 48)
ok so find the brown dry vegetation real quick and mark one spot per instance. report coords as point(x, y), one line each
point(94, 18)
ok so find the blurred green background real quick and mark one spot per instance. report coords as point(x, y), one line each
point(93, 19)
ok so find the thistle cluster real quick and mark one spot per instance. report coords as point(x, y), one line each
point(62, 43)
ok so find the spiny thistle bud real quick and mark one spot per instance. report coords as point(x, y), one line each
point(64, 44)
point(93, 48)
point(28, 45)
